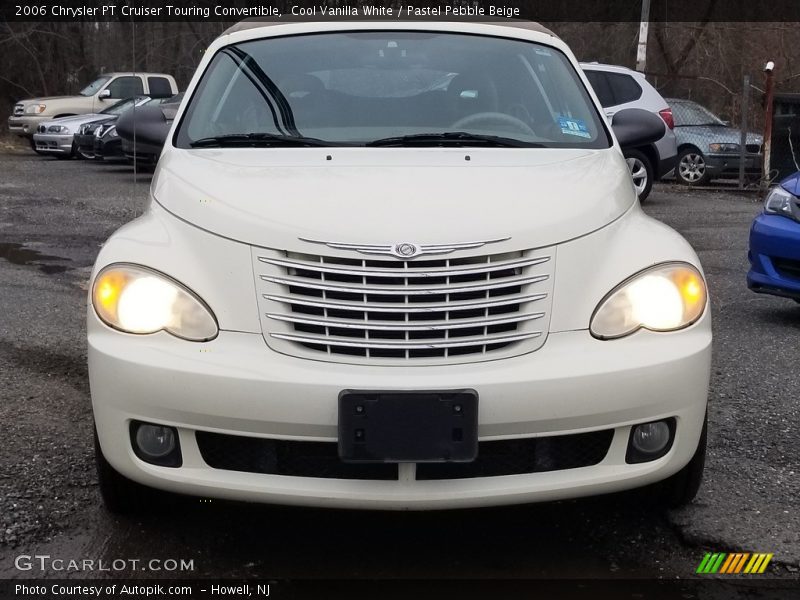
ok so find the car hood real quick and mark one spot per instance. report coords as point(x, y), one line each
point(75, 119)
point(43, 99)
point(272, 197)
point(710, 134)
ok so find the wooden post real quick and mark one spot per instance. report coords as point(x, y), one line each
point(644, 26)
point(743, 129)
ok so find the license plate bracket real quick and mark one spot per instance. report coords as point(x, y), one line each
point(408, 426)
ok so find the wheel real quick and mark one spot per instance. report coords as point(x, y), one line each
point(680, 489)
point(495, 119)
point(641, 172)
point(691, 169)
point(121, 495)
point(85, 155)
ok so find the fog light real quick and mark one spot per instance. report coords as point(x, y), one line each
point(156, 444)
point(650, 441)
point(155, 441)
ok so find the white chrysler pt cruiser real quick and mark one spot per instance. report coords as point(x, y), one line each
point(396, 266)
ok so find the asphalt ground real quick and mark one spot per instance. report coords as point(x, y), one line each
point(54, 216)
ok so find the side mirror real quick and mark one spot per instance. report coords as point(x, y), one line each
point(636, 127)
point(149, 125)
point(106, 93)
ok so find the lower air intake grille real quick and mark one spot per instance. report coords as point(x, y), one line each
point(786, 267)
point(282, 457)
point(320, 459)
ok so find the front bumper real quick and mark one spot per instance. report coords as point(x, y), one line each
point(236, 385)
point(54, 143)
point(774, 256)
point(85, 143)
point(25, 125)
point(666, 165)
point(719, 165)
point(108, 148)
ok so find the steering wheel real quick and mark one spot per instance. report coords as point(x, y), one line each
point(497, 118)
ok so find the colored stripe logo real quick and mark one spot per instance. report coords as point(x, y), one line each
point(734, 563)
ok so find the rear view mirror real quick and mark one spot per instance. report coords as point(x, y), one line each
point(104, 94)
point(636, 127)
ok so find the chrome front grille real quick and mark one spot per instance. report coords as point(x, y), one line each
point(368, 309)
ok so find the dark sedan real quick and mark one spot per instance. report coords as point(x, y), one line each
point(99, 139)
point(147, 152)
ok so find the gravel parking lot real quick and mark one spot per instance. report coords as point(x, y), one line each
point(54, 215)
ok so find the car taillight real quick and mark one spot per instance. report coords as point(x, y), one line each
point(666, 114)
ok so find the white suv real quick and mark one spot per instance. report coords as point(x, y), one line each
point(396, 265)
point(619, 88)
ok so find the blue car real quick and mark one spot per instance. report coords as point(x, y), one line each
point(775, 242)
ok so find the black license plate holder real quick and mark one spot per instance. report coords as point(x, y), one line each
point(408, 426)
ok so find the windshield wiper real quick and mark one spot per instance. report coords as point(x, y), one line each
point(256, 140)
point(454, 138)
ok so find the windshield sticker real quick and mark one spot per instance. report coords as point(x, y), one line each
point(574, 127)
point(543, 52)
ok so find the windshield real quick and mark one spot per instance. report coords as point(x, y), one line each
point(691, 114)
point(374, 87)
point(91, 89)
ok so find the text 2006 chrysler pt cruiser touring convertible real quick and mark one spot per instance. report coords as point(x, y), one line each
point(399, 266)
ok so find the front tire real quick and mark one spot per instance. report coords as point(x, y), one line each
point(680, 489)
point(692, 168)
point(121, 495)
point(641, 172)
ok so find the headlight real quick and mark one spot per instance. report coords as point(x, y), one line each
point(35, 109)
point(666, 297)
point(58, 129)
point(724, 147)
point(111, 131)
point(779, 202)
point(136, 299)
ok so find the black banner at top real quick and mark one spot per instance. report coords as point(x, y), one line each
point(482, 10)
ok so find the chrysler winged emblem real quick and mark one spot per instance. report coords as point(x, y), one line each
point(405, 250)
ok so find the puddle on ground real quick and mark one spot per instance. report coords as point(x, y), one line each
point(18, 254)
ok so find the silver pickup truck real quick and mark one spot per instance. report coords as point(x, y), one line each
point(103, 92)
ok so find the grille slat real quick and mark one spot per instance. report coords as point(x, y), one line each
point(404, 345)
point(379, 308)
point(408, 290)
point(409, 271)
point(416, 308)
point(408, 326)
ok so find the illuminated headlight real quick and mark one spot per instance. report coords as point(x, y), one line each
point(139, 300)
point(724, 147)
point(666, 297)
point(35, 109)
point(779, 202)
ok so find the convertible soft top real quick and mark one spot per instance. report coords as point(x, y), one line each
point(255, 22)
